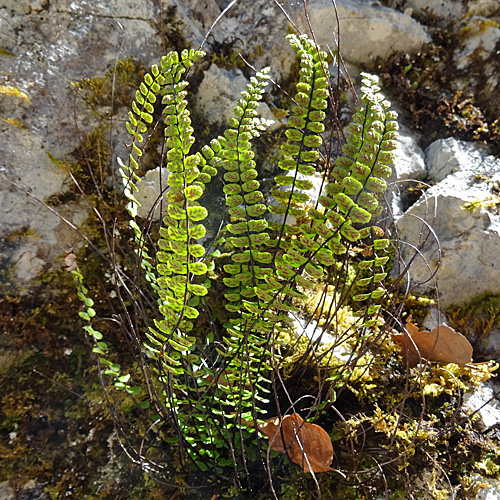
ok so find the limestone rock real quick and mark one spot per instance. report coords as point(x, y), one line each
point(151, 187)
point(447, 156)
point(218, 93)
point(6, 492)
point(441, 8)
point(434, 319)
point(483, 8)
point(367, 30)
point(463, 212)
point(490, 489)
point(483, 400)
point(482, 36)
point(493, 345)
point(54, 44)
point(409, 165)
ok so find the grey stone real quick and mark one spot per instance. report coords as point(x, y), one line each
point(481, 39)
point(6, 492)
point(434, 319)
point(409, 167)
point(447, 156)
point(482, 400)
point(56, 43)
point(368, 30)
point(489, 492)
point(483, 8)
point(469, 236)
point(219, 92)
point(150, 189)
point(493, 343)
point(441, 8)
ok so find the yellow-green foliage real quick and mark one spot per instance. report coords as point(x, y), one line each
point(10, 91)
point(114, 88)
point(14, 92)
point(488, 202)
point(476, 319)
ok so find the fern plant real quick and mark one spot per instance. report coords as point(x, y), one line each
point(276, 251)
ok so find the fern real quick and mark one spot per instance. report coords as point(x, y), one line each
point(209, 389)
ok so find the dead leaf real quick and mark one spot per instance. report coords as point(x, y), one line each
point(70, 260)
point(442, 344)
point(300, 440)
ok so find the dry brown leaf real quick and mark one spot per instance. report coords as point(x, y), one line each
point(442, 344)
point(300, 440)
point(70, 260)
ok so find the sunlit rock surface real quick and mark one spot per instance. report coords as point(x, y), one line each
point(462, 209)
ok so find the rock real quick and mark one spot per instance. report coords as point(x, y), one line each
point(440, 8)
point(409, 165)
point(434, 319)
point(219, 92)
point(6, 492)
point(447, 156)
point(150, 189)
point(493, 345)
point(367, 31)
point(54, 44)
point(483, 8)
point(316, 334)
point(482, 36)
point(483, 400)
point(467, 225)
point(490, 488)
point(257, 29)
point(29, 491)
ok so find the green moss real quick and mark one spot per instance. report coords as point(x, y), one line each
point(115, 88)
point(477, 318)
point(489, 466)
point(488, 202)
point(227, 55)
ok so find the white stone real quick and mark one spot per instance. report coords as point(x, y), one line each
point(446, 156)
point(151, 187)
point(483, 8)
point(434, 319)
point(6, 492)
point(484, 402)
point(482, 38)
point(219, 92)
point(490, 489)
point(441, 8)
point(367, 31)
point(409, 165)
point(469, 239)
point(311, 329)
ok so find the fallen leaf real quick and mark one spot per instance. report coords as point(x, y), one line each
point(70, 260)
point(442, 344)
point(307, 445)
